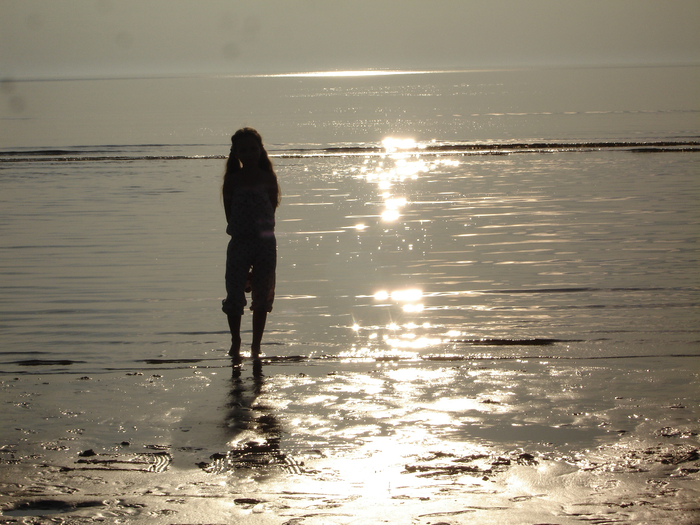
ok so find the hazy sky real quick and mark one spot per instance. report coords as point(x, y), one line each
point(78, 38)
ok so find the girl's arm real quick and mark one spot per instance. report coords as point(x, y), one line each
point(272, 193)
point(227, 208)
point(227, 201)
point(273, 190)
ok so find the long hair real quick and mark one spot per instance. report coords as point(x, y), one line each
point(233, 164)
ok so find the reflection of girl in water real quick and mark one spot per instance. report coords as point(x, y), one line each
point(251, 196)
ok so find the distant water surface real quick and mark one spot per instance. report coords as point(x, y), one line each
point(594, 252)
point(526, 105)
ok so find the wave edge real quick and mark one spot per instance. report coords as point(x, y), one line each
point(121, 153)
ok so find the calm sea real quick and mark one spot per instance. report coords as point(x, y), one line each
point(511, 214)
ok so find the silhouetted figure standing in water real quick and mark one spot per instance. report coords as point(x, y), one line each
point(251, 195)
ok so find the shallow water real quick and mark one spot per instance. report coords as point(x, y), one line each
point(403, 255)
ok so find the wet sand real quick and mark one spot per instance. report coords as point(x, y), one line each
point(309, 441)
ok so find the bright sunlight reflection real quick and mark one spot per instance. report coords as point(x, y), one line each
point(349, 73)
point(404, 296)
point(392, 174)
point(391, 144)
point(390, 215)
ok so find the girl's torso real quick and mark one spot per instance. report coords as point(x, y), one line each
point(250, 211)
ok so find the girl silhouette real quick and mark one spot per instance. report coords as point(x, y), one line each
point(251, 195)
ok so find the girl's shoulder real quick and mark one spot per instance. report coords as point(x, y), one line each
point(259, 180)
point(266, 175)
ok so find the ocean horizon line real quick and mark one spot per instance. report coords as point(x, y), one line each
point(326, 73)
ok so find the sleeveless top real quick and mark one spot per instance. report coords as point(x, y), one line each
point(251, 214)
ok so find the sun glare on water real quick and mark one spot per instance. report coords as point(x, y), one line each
point(392, 174)
point(350, 73)
point(392, 145)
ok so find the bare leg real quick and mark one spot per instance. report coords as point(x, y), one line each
point(259, 318)
point(234, 324)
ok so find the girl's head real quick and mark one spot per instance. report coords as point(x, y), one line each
point(247, 149)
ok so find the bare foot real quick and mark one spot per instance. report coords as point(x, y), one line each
point(257, 369)
point(235, 351)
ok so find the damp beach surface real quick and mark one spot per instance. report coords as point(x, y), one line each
point(464, 331)
point(339, 441)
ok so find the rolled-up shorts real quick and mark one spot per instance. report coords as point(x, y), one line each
point(257, 255)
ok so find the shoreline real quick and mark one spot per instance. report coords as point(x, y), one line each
point(340, 442)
